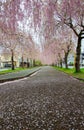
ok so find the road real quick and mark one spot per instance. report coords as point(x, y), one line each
point(47, 100)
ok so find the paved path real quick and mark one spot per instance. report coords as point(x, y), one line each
point(18, 74)
point(49, 100)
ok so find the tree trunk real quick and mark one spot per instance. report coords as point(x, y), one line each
point(12, 60)
point(27, 63)
point(22, 62)
point(34, 62)
point(78, 52)
point(61, 63)
point(66, 56)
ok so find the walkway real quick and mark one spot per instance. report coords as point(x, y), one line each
point(18, 75)
point(47, 100)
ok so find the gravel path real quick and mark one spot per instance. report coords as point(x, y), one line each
point(49, 100)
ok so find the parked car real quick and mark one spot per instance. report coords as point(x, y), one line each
point(7, 65)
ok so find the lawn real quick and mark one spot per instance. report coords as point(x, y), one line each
point(10, 70)
point(79, 75)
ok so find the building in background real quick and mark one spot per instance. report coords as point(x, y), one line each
point(82, 59)
point(5, 61)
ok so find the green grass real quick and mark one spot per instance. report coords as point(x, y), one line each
point(10, 70)
point(72, 72)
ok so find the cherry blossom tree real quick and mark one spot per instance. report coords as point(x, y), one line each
point(67, 47)
point(71, 13)
point(12, 13)
point(27, 48)
point(67, 44)
point(43, 18)
point(53, 51)
point(10, 43)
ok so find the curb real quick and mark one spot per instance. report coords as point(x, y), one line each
point(79, 79)
point(12, 79)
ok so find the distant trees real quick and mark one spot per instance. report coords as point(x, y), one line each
point(9, 43)
point(67, 49)
point(18, 43)
point(58, 49)
point(67, 44)
point(53, 52)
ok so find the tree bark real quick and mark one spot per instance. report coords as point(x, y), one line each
point(27, 63)
point(66, 64)
point(78, 52)
point(12, 60)
point(61, 63)
point(34, 62)
point(22, 62)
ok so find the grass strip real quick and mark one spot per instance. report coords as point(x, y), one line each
point(11, 71)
